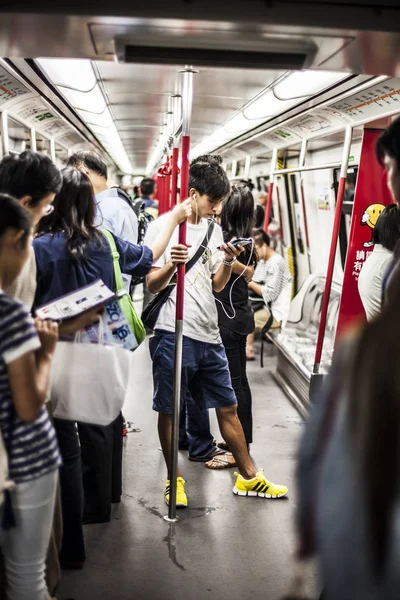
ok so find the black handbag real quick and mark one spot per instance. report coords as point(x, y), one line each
point(151, 312)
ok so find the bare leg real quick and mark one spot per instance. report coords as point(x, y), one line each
point(165, 435)
point(250, 345)
point(232, 432)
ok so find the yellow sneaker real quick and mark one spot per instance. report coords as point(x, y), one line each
point(258, 486)
point(181, 498)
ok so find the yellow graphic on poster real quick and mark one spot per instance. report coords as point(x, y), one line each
point(369, 218)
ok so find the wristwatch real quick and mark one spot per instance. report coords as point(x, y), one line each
point(229, 263)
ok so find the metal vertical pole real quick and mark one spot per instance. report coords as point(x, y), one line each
point(274, 161)
point(332, 253)
point(187, 97)
point(302, 161)
point(53, 150)
point(33, 140)
point(5, 146)
point(174, 173)
point(247, 165)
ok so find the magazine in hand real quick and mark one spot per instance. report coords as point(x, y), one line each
point(74, 304)
point(117, 330)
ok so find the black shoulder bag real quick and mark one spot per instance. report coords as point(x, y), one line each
point(151, 312)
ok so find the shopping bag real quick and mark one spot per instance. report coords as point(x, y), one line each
point(126, 303)
point(88, 382)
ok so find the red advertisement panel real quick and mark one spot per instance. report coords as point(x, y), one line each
point(371, 197)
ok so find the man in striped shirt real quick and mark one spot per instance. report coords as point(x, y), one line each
point(270, 289)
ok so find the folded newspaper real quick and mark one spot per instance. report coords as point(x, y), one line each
point(116, 328)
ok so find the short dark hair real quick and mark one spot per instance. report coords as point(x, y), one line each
point(261, 237)
point(14, 216)
point(387, 228)
point(147, 186)
point(29, 174)
point(74, 213)
point(388, 143)
point(90, 160)
point(207, 177)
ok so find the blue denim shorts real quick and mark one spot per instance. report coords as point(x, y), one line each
point(205, 373)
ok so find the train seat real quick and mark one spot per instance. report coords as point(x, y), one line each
point(298, 339)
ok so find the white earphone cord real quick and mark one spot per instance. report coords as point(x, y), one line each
point(231, 290)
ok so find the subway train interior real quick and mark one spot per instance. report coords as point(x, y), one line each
point(293, 96)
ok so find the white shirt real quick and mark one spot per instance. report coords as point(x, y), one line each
point(276, 280)
point(200, 320)
point(115, 214)
point(370, 280)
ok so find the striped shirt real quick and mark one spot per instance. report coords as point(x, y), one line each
point(32, 448)
point(276, 285)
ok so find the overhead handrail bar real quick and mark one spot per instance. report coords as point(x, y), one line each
point(334, 165)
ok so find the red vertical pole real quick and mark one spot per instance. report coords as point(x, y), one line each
point(303, 202)
point(187, 98)
point(174, 176)
point(270, 188)
point(182, 227)
point(279, 209)
point(268, 205)
point(332, 253)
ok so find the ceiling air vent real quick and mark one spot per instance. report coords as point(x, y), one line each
point(277, 53)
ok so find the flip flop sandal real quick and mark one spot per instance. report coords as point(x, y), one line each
point(221, 462)
point(224, 446)
point(207, 457)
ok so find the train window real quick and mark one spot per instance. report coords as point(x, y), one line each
point(19, 138)
point(61, 156)
point(241, 167)
point(42, 144)
point(347, 209)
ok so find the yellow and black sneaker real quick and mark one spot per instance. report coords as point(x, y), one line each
point(258, 486)
point(181, 498)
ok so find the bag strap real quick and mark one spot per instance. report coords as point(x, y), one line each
point(200, 250)
point(119, 283)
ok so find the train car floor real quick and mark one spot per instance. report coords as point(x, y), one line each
point(223, 546)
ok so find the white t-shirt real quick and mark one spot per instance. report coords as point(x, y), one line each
point(200, 320)
point(370, 280)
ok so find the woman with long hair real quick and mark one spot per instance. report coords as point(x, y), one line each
point(348, 474)
point(71, 253)
point(235, 316)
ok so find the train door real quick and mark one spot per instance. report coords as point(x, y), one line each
point(347, 209)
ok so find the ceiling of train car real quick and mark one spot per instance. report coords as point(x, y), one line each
point(137, 96)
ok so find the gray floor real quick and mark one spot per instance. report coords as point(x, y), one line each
point(223, 546)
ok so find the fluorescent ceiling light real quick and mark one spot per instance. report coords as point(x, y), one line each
point(273, 101)
point(76, 80)
point(306, 83)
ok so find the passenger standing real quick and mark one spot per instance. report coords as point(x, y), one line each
point(72, 253)
point(271, 288)
point(386, 235)
point(146, 199)
point(235, 315)
point(205, 371)
point(348, 472)
point(115, 213)
point(29, 438)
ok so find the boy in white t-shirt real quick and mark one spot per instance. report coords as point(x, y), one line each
point(205, 372)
